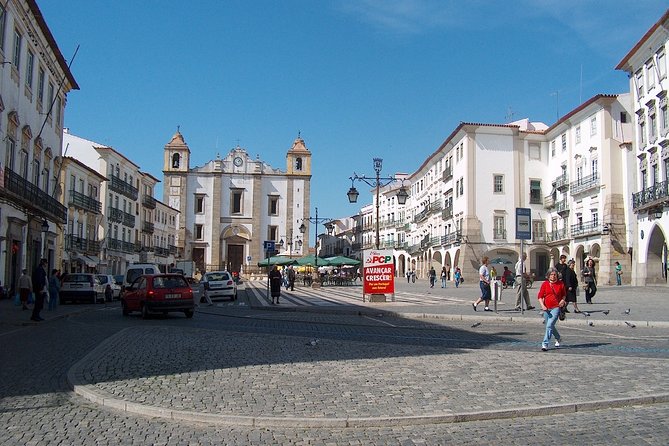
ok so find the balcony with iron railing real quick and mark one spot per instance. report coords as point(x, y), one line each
point(561, 182)
point(128, 219)
point(562, 207)
point(447, 213)
point(558, 235)
point(118, 216)
point(28, 195)
point(87, 246)
point(148, 201)
point(450, 238)
point(173, 249)
point(655, 195)
point(120, 245)
point(81, 201)
point(435, 207)
point(123, 188)
point(584, 184)
point(422, 215)
point(161, 252)
point(148, 227)
point(413, 249)
point(447, 174)
point(585, 229)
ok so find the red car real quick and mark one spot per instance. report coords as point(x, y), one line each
point(160, 293)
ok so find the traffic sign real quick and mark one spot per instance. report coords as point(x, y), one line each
point(269, 245)
point(523, 223)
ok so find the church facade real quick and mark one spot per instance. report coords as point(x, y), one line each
point(231, 205)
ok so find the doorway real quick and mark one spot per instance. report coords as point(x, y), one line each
point(235, 258)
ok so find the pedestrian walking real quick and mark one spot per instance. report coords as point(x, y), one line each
point(444, 277)
point(408, 276)
point(25, 287)
point(275, 284)
point(619, 274)
point(291, 278)
point(561, 267)
point(570, 280)
point(589, 280)
point(448, 272)
point(521, 291)
point(457, 276)
point(433, 276)
point(552, 298)
point(484, 284)
point(40, 288)
point(54, 289)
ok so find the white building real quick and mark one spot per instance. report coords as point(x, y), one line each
point(126, 231)
point(646, 66)
point(230, 206)
point(78, 244)
point(463, 198)
point(34, 85)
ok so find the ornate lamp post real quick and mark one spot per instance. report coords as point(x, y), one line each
point(378, 182)
point(290, 241)
point(303, 229)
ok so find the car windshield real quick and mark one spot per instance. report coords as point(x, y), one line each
point(217, 276)
point(169, 282)
point(118, 280)
point(103, 279)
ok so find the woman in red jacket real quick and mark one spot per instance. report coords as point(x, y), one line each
point(551, 297)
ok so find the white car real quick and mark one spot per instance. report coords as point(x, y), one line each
point(109, 279)
point(217, 284)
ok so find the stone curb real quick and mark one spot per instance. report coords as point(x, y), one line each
point(75, 378)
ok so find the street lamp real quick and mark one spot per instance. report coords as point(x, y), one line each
point(290, 241)
point(378, 182)
point(303, 229)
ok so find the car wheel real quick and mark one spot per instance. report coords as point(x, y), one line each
point(188, 313)
point(145, 312)
point(124, 308)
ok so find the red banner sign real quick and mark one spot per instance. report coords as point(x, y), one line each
point(378, 272)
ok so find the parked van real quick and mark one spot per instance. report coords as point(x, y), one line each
point(134, 270)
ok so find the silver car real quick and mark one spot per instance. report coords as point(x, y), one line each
point(217, 284)
point(109, 279)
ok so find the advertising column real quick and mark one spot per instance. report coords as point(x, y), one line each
point(378, 275)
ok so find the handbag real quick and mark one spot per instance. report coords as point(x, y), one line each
point(562, 314)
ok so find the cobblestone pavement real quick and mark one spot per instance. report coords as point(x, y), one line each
point(268, 369)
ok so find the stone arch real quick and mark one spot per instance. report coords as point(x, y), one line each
point(401, 265)
point(437, 257)
point(656, 257)
point(579, 257)
point(235, 232)
point(176, 161)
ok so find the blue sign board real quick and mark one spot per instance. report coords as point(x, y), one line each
point(523, 223)
point(268, 245)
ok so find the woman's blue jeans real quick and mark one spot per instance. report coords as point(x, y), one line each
point(443, 282)
point(551, 318)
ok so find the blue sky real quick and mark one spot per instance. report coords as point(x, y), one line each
point(358, 78)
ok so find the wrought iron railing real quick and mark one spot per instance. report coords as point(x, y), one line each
point(561, 182)
point(148, 201)
point(34, 198)
point(148, 227)
point(74, 243)
point(499, 234)
point(557, 235)
point(562, 206)
point(120, 245)
point(584, 184)
point(84, 202)
point(585, 229)
point(448, 174)
point(162, 252)
point(123, 188)
point(651, 196)
point(447, 213)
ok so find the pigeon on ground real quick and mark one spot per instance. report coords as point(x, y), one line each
point(630, 325)
point(476, 325)
point(590, 323)
point(586, 314)
point(606, 312)
point(627, 311)
point(313, 342)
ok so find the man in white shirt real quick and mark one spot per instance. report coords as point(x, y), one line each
point(484, 282)
point(521, 292)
